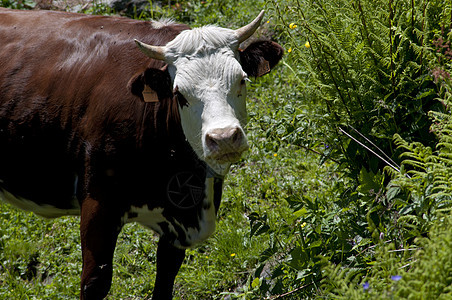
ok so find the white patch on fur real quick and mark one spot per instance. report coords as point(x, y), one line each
point(206, 222)
point(162, 23)
point(45, 210)
point(148, 218)
point(204, 66)
point(82, 53)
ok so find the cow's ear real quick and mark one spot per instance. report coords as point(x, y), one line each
point(260, 57)
point(151, 85)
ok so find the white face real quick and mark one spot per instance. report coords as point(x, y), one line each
point(204, 67)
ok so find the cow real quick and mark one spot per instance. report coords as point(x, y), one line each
point(119, 121)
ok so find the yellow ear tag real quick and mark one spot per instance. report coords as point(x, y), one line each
point(149, 95)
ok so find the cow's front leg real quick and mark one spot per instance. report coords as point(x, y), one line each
point(169, 260)
point(99, 229)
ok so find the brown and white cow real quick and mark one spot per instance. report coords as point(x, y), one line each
point(92, 126)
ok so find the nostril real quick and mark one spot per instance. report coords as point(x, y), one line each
point(211, 143)
point(236, 136)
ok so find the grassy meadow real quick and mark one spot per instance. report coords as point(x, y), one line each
point(346, 190)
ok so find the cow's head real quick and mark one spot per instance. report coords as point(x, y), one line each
point(209, 75)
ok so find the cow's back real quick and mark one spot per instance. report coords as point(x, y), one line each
point(64, 94)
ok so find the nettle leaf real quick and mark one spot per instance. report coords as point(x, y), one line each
point(298, 258)
point(258, 224)
point(259, 229)
point(392, 191)
point(300, 213)
point(279, 271)
point(255, 283)
point(370, 183)
point(315, 244)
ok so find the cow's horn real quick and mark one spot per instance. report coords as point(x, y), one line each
point(246, 31)
point(156, 52)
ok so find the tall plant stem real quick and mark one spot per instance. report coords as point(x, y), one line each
point(391, 41)
point(367, 38)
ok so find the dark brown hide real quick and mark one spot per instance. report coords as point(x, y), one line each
point(65, 98)
point(71, 106)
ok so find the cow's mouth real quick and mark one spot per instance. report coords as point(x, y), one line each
point(230, 157)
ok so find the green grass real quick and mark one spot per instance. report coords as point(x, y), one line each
point(34, 255)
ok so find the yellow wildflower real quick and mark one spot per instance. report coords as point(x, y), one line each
point(289, 50)
point(232, 254)
point(292, 25)
point(268, 21)
point(307, 45)
point(276, 154)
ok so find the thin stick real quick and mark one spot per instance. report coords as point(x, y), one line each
point(317, 152)
point(289, 292)
point(373, 152)
point(370, 142)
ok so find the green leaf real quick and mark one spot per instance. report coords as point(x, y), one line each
point(256, 283)
point(301, 212)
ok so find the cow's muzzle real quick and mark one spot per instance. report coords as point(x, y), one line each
point(226, 144)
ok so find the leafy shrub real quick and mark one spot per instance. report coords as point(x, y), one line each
point(26, 4)
point(364, 72)
point(365, 64)
point(420, 272)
